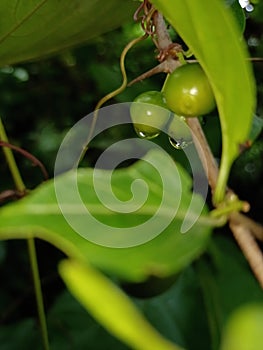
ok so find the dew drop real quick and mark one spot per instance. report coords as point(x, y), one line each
point(145, 135)
point(250, 168)
point(180, 143)
point(250, 8)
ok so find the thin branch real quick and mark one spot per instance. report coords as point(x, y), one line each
point(162, 36)
point(28, 155)
point(10, 194)
point(249, 247)
point(204, 151)
point(255, 228)
point(163, 42)
point(163, 67)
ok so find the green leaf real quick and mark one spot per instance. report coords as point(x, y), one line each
point(244, 329)
point(211, 32)
point(170, 313)
point(67, 316)
point(238, 12)
point(36, 28)
point(111, 307)
point(39, 215)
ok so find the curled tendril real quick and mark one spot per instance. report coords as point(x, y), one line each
point(118, 90)
point(148, 27)
point(144, 14)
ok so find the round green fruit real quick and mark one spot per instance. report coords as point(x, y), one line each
point(187, 91)
point(149, 114)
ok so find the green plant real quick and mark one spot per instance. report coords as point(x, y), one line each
point(248, 321)
point(187, 91)
point(163, 190)
point(149, 114)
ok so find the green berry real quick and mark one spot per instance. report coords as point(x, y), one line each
point(149, 114)
point(187, 91)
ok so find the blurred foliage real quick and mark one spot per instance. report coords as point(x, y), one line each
point(33, 29)
point(39, 102)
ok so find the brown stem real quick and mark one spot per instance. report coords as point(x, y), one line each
point(10, 194)
point(166, 66)
point(204, 151)
point(163, 43)
point(249, 247)
point(155, 70)
point(255, 228)
point(162, 36)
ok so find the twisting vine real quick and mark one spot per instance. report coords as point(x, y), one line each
point(144, 15)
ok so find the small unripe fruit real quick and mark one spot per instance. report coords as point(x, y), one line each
point(188, 92)
point(149, 114)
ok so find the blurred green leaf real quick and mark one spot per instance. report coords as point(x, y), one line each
point(244, 329)
point(69, 322)
point(213, 288)
point(33, 29)
point(170, 313)
point(226, 282)
point(211, 32)
point(111, 307)
point(40, 215)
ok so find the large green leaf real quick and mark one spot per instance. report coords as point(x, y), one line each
point(67, 316)
point(170, 313)
point(211, 32)
point(111, 307)
point(32, 29)
point(39, 215)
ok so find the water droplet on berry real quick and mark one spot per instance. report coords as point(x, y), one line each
point(147, 135)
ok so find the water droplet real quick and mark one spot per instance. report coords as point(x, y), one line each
point(250, 168)
point(250, 8)
point(180, 135)
point(253, 41)
point(180, 143)
point(147, 135)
